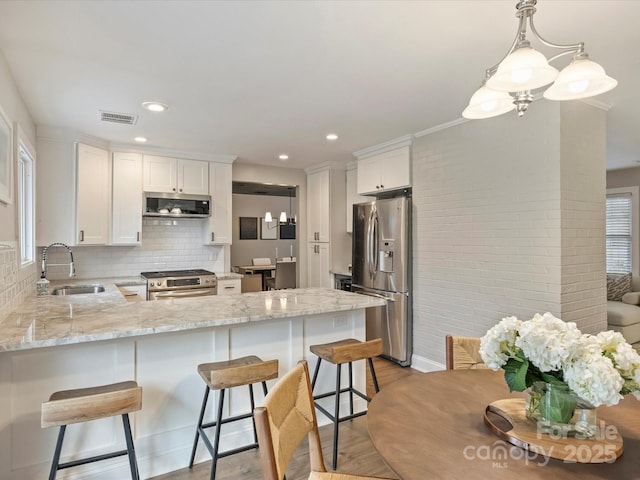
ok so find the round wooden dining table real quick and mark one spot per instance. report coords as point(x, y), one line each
point(431, 426)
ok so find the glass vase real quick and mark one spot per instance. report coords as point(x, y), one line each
point(560, 412)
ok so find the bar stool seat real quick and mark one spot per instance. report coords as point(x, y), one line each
point(67, 407)
point(222, 376)
point(344, 351)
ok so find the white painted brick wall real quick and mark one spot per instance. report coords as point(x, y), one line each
point(494, 231)
point(15, 284)
point(583, 216)
point(166, 245)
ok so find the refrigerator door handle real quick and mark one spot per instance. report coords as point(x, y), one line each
point(373, 243)
point(370, 244)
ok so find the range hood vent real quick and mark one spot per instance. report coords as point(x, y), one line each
point(115, 117)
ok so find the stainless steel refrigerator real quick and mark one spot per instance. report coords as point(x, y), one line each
point(381, 268)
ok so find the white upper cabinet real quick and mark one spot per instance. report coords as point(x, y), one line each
point(318, 205)
point(385, 167)
point(219, 226)
point(93, 196)
point(352, 196)
point(126, 216)
point(174, 175)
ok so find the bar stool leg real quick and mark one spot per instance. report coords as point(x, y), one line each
point(131, 453)
point(195, 440)
point(56, 455)
point(373, 375)
point(336, 418)
point(351, 388)
point(214, 460)
point(315, 374)
point(253, 420)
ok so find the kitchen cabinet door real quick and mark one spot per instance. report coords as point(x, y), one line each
point(219, 226)
point(318, 204)
point(126, 215)
point(384, 172)
point(160, 174)
point(193, 177)
point(353, 197)
point(93, 196)
point(319, 265)
point(175, 175)
point(229, 286)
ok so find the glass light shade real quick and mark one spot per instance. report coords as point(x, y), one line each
point(582, 78)
point(486, 103)
point(524, 69)
point(283, 217)
point(268, 217)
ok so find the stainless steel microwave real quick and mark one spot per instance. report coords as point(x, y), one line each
point(159, 204)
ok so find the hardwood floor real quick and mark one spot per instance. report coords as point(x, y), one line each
point(356, 453)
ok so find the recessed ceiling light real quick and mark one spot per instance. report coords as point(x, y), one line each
point(332, 136)
point(140, 139)
point(284, 156)
point(155, 106)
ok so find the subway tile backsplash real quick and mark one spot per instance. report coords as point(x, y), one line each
point(13, 289)
point(166, 245)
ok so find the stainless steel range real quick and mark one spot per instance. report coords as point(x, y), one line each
point(180, 284)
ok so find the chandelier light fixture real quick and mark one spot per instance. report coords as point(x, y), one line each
point(508, 84)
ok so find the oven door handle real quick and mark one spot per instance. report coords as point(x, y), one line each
point(185, 293)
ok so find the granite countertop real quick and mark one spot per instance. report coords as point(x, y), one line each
point(48, 320)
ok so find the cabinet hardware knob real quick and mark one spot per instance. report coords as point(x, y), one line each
point(173, 189)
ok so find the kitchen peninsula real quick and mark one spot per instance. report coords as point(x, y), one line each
point(51, 343)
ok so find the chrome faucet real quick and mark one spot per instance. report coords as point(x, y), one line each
point(72, 268)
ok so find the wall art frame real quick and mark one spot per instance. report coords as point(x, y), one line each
point(268, 230)
point(248, 228)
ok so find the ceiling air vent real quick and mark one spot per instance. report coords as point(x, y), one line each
point(116, 117)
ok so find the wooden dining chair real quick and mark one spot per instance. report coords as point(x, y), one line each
point(282, 423)
point(463, 352)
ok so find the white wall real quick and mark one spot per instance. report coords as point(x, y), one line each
point(242, 251)
point(501, 208)
point(15, 281)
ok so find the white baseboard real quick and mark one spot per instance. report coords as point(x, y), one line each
point(425, 365)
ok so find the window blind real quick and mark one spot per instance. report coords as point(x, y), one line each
point(619, 233)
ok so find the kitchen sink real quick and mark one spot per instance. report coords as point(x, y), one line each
point(77, 289)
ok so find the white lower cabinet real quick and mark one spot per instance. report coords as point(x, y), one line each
point(229, 286)
point(319, 265)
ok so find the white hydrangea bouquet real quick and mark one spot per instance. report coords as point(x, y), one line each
point(598, 368)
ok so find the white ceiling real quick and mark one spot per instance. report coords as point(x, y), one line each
point(260, 78)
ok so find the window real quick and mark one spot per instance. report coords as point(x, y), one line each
point(26, 205)
point(621, 229)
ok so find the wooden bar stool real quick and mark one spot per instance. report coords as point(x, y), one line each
point(85, 404)
point(221, 376)
point(344, 351)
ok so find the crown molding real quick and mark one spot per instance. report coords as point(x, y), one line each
point(209, 157)
point(324, 166)
point(404, 141)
